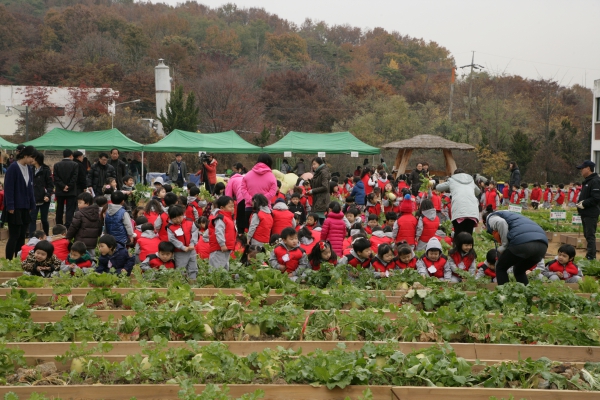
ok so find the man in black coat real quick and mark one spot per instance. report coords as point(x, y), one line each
point(119, 166)
point(82, 175)
point(588, 205)
point(98, 173)
point(66, 172)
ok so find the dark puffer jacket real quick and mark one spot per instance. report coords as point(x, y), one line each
point(320, 189)
point(120, 260)
point(520, 228)
point(97, 176)
point(86, 226)
point(43, 186)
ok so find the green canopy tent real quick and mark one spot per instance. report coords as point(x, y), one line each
point(60, 139)
point(6, 145)
point(330, 143)
point(191, 142)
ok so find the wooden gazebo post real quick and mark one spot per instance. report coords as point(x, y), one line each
point(429, 142)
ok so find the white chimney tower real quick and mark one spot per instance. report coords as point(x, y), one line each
point(163, 90)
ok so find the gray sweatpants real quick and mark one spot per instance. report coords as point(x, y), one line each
point(573, 279)
point(219, 259)
point(187, 260)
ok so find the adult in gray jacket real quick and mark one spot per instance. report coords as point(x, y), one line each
point(178, 171)
point(465, 206)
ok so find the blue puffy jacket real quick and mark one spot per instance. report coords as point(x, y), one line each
point(520, 228)
point(358, 192)
point(113, 225)
point(119, 260)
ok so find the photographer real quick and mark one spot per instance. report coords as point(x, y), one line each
point(208, 171)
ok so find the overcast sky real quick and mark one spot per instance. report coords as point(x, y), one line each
point(557, 39)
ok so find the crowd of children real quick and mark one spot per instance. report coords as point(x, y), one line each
point(380, 232)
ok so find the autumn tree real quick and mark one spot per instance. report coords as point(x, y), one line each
point(181, 113)
point(288, 48)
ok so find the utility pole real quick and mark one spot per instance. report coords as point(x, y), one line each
point(473, 66)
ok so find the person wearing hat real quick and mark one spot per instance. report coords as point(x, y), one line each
point(178, 171)
point(588, 205)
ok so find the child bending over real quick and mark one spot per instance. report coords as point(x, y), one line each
point(162, 258)
point(28, 248)
point(488, 267)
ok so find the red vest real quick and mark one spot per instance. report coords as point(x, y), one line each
point(281, 219)
point(514, 197)
point(577, 190)
point(278, 195)
point(547, 194)
point(439, 266)
point(365, 181)
point(536, 194)
point(561, 197)
point(490, 198)
point(230, 232)
point(315, 265)
point(554, 266)
point(147, 246)
point(376, 209)
point(155, 262)
point(377, 241)
point(407, 229)
point(25, 249)
point(487, 271)
point(379, 266)
point(151, 217)
point(411, 264)
point(202, 249)
point(437, 202)
point(505, 191)
point(162, 232)
point(466, 260)
point(189, 210)
point(355, 262)
point(186, 227)
point(61, 249)
point(263, 230)
point(295, 255)
point(429, 228)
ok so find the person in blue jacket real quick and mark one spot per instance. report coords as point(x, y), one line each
point(523, 243)
point(113, 255)
point(19, 199)
point(358, 192)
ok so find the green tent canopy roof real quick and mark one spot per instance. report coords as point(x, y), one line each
point(191, 142)
point(312, 143)
point(6, 145)
point(60, 139)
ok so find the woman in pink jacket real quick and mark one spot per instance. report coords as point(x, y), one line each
point(259, 180)
point(334, 228)
point(233, 190)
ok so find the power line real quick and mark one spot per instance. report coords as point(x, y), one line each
point(539, 62)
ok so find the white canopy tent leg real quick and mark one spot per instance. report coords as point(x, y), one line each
point(142, 177)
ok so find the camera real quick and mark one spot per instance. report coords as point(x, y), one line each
point(204, 158)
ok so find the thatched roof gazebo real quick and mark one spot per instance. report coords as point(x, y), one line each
point(429, 142)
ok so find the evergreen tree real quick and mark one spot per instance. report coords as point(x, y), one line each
point(521, 150)
point(180, 114)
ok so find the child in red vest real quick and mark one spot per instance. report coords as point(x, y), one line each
point(515, 195)
point(547, 196)
point(312, 221)
point(427, 225)
point(78, 258)
point(433, 263)
point(536, 196)
point(261, 221)
point(379, 238)
point(60, 242)
point(222, 233)
point(147, 242)
point(384, 262)
point(559, 198)
point(405, 228)
point(571, 199)
point(491, 197)
point(359, 257)
point(308, 239)
point(372, 222)
point(321, 253)
point(183, 234)
point(288, 256)
point(462, 257)
point(488, 267)
point(278, 195)
point(406, 257)
point(282, 217)
point(28, 248)
point(563, 268)
point(152, 211)
point(373, 206)
point(162, 258)
point(505, 194)
point(160, 224)
point(577, 191)
point(195, 205)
